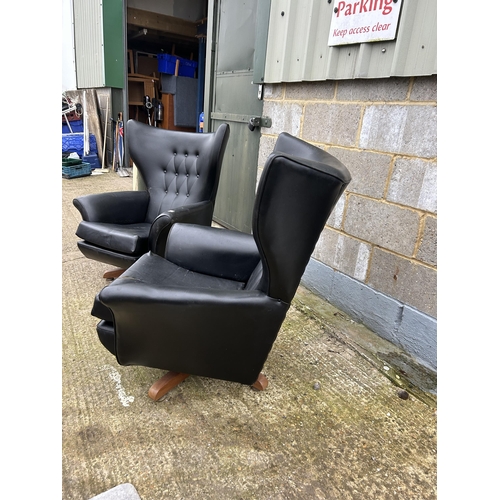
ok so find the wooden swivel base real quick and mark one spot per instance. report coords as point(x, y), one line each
point(165, 384)
point(261, 383)
point(113, 273)
point(173, 379)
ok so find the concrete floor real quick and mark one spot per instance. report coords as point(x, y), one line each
point(331, 425)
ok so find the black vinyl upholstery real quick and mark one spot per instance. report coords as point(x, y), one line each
point(181, 171)
point(209, 301)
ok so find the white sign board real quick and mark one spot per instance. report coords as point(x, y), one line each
point(364, 21)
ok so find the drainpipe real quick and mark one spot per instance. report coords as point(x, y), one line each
point(126, 158)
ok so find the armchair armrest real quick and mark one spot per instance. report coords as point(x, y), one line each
point(197, 213)
point(121, 207)
point(146, 304)
point(198, 331)
point(223, 253)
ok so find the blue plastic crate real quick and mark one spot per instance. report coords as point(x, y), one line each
point(81, 170)
point(76, 126)
point(93, 159)
point(166, 64)
point(187, 68)
point(73, 143)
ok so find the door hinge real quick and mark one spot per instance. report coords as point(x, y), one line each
point(259, 121)
point(252, 121)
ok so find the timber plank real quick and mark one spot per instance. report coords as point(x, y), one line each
point(161, 22)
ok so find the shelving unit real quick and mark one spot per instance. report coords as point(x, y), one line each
point(140, 85)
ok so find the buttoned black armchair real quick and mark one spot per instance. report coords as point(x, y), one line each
point(181, 173)
point(210, 301)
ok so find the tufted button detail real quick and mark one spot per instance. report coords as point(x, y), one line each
point(187, 195)
point(164, 170)
point(187, 175)
point(176, 173)
point(175, 154)
point(197, 175)
point(177, 192)
point(186, 155)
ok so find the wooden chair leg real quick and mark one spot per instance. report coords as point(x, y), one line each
point(261, 383)
point(165, 384)
point(113, 273)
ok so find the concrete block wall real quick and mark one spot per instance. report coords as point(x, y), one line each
point(377, 256)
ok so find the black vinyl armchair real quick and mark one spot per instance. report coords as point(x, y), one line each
point(209, 301)
point(181, 172)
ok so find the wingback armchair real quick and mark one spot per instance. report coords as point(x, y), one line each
point(210, 301)
point(181, 173)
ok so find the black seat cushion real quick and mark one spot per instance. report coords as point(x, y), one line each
point(161, 273)
point(131, 239)
point(106, 332)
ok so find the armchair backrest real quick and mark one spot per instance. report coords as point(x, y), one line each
point(297, 191)
point(178, 168)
